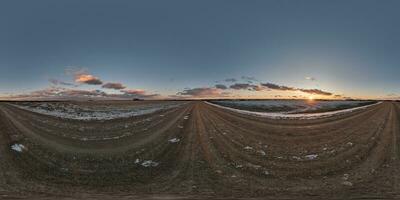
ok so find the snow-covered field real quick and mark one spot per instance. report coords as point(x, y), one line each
point(298, 108)
point(291, 106)
point(73, 111)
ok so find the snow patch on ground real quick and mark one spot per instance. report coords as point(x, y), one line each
point(149, 163)
point(294, 116)
point(289, 106)
point(349, 144)
point(248, 148)
point(311, 156)
point(70, 111)
point(18, 147)
point(174, 140)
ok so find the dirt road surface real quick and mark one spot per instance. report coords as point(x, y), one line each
point(199, 151)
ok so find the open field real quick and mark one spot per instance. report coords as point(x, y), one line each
point(292, 105)
point(197, 150)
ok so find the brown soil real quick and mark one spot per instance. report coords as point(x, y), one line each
point(221, 154)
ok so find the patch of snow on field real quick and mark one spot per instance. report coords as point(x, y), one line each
point(311, 156)
point(18, 147)
point(290, 106)
point(174, 140)
point(149, 163)
point(349, 144)
point(248, 148)
point(70, 111)
point(275, 115)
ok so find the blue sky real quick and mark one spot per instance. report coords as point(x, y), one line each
point(350, 48)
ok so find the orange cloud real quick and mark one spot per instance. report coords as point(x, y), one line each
point(88, 79)
point(81, 75)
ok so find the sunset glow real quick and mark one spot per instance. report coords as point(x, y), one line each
point(179, 53)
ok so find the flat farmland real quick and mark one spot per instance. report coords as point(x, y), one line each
point(194, 150)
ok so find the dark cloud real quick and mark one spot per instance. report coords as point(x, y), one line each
point(246, 86)
point(83, 93)
point(200, 92)
point(240, 86)
point(315, 91)
point(115, 86)
point(221, 86)
point(230, 80)
point(286, 88)
point(277, 87)
point(138, 93)
point(257, 88)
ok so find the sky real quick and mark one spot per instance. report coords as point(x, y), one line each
point(199, 49)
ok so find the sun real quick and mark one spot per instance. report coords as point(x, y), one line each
point(310, 98)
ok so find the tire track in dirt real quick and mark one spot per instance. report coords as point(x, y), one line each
point(367, 150)
point(220, 154)
point(396, 150)
point(57, 144)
